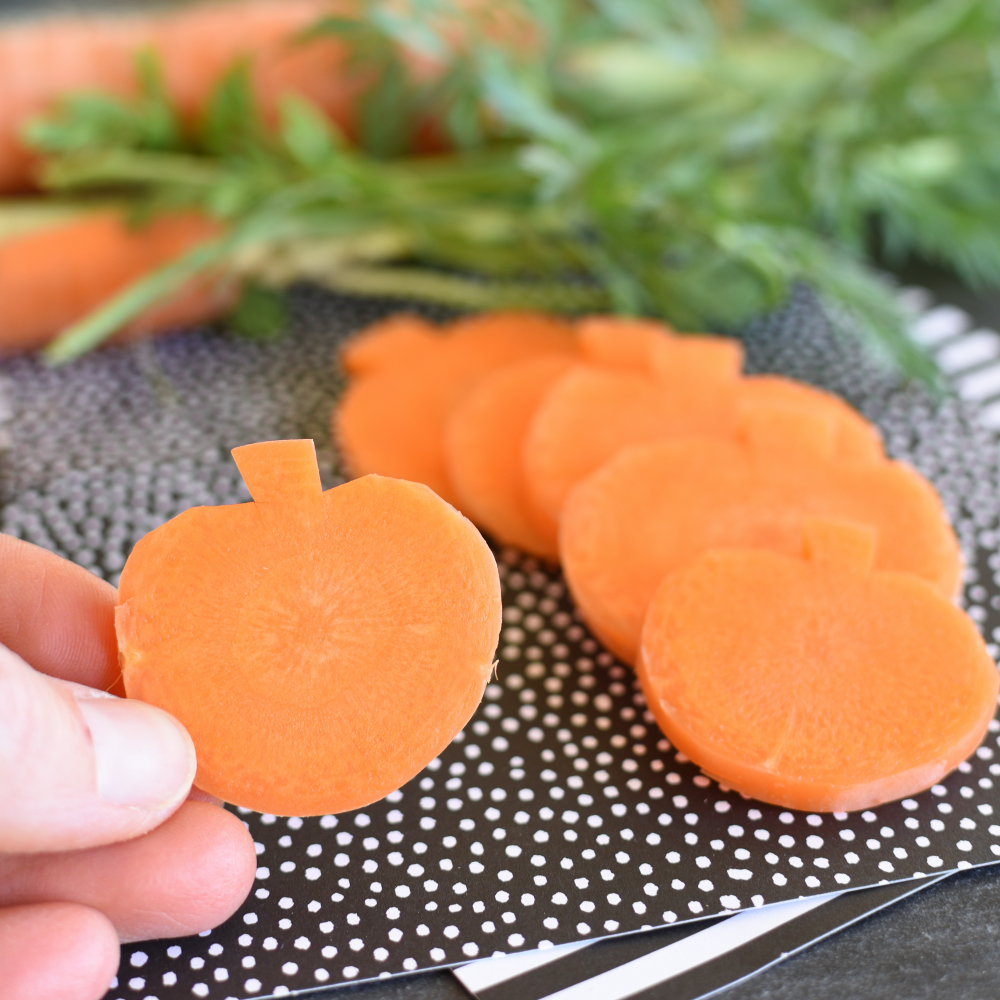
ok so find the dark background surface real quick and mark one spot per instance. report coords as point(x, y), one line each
point(941, 944)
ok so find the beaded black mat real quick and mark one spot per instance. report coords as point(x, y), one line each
point(560, 813)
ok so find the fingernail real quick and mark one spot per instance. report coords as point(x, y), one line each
point(144, 757)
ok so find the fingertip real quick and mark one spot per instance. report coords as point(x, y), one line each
point(228, 864)
point(79, 768)
point(188, 875)
point(230, 856)
point(58, 616)
point(144, 757)
point(56, 951)
point(218, 872)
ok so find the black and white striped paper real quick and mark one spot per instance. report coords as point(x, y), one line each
point(685, 962)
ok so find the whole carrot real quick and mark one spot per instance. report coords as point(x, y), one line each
point(51, 276)
point(45, 59)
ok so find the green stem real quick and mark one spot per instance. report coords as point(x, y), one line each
point(463, 293)
point(127, 167)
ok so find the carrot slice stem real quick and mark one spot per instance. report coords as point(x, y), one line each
point(276, 470)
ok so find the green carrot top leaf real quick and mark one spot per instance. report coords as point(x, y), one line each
point(688, 159)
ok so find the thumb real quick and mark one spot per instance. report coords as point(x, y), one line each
point(79, 767)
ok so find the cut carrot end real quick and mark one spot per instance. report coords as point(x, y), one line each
point(830, 541)
point(274, 470)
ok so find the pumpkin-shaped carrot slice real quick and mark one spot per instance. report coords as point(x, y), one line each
point(594, 411)
point(813, 682)
point(692, 388)
point(618, 342)
point(484, 443)
point(395, 342)
point(656, 506)
point(857, 440)
point(320, 647)
point(392, 422)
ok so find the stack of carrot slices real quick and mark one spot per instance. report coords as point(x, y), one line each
point(784, 590)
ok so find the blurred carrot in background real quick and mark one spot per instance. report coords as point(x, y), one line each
point(53, 275)
point(654, 157)
point(46, 59)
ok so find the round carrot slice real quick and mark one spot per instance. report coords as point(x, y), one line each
point(656, 506)
point(484, 444)
point(812, 682)
point(320, 648)
point(395, 342)
point(392, 422)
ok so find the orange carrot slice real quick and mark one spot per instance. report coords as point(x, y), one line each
point(617, 342)
point(812, 682)
point(708, 363)
point(54, 276)
point(591, 413)
point(857, 439)
point(396, 342)
point(392, 422)
point(483, 446)
point(321, 648)
point(656, 506)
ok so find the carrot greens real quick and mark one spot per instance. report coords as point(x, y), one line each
point(685, 159)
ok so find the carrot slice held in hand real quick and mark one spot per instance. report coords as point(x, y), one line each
point(484, 444)
point(655, 506)
point(393, 421)
point(812, 682)
point(320, 647)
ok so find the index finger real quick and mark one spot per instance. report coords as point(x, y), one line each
point(57, 616)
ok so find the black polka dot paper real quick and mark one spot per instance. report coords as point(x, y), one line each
point(560, 813)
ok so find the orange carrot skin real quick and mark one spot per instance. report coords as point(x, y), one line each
point(45, 59)
point(52, 277)
point(813, 683)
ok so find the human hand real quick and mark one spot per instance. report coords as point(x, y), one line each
point(99, 839)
